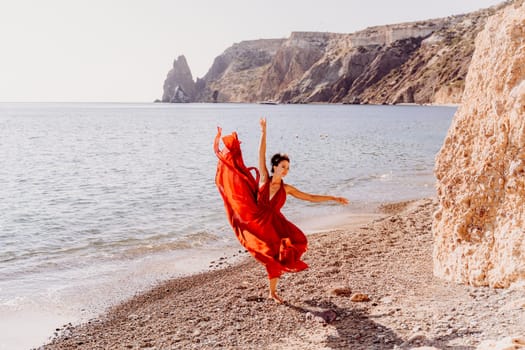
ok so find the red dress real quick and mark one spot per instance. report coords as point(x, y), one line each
point(255, 218)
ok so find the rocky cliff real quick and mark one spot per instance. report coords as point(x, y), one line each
point(236, 74)
point(418, 62)
point(479, 228)
point(179, 85)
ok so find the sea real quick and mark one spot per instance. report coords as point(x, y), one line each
point(99, 201)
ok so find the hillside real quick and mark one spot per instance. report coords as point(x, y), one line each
point(417, 62)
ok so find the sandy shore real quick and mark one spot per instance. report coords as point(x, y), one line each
point(387, 259)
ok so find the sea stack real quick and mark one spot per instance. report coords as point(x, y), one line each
point(479, 227)
point(179, 86)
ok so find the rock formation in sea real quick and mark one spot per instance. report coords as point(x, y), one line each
point(479, 227)
point(179, 85)
point(417, 62)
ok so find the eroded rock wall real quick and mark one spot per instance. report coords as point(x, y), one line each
point(236, 74)
point(293, 59)
point(479, 227)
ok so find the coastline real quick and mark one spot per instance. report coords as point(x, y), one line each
point(387, 258)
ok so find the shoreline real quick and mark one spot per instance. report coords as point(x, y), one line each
point(76, 304)
point(388, 259)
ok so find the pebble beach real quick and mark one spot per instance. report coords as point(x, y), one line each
point(369, 286)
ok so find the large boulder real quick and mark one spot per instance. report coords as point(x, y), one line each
point(479, 227)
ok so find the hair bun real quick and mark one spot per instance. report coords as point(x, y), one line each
point(278, 158)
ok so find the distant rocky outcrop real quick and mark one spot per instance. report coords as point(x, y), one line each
point(293, 59)
point(418, 62)
point(235, 75)
point(479, 228)
point(179, 86)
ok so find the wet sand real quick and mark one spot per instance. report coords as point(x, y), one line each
point(369, 286)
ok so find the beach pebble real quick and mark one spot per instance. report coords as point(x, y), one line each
point(341, 291)
point(327, 316)
point(387, 300)
point(359, 297)
point(254, 298)
point(176, 339)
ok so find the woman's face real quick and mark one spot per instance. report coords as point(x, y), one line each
point(282, 168)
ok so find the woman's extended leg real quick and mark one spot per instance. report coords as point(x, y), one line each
point(273, 290)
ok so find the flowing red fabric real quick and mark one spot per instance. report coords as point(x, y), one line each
point(255, 218)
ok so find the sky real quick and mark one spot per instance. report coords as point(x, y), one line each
point(122, 50)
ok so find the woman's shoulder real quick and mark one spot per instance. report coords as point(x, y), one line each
point(289, 188)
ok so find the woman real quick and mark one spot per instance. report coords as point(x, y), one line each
point(253, 207)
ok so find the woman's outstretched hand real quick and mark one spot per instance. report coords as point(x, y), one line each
point(341, 200)
point(262, 122)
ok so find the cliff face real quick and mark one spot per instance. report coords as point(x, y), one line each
point(419, 62)
point(436, 71)
point(235, 75)
point(293, 59)
point(479, 228)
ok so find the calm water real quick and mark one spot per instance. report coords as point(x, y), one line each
point(109, 198)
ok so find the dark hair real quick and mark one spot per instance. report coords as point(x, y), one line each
point(278, 158)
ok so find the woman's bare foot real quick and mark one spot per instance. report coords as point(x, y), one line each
point(273, 291)
point(275, 297)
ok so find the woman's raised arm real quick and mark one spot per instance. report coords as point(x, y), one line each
point(263, 170)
